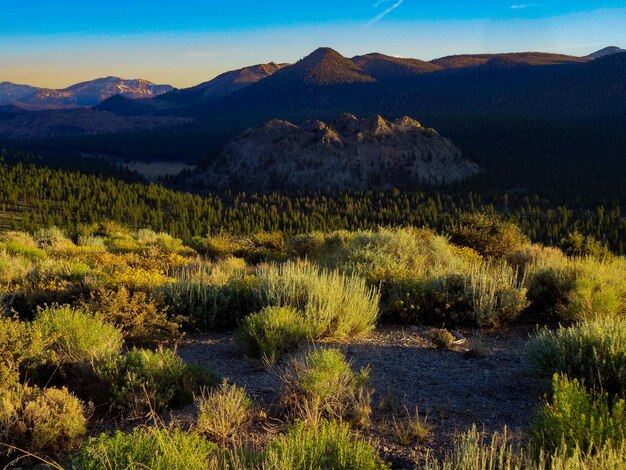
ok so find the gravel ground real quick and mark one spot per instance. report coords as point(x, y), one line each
point(452, 388)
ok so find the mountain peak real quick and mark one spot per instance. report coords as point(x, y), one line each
point(606, 51)
point(325, 66)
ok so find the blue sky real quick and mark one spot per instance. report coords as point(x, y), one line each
point(56, 43)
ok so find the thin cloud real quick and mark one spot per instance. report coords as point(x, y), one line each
point(380, 16)
point(200, 54)
point(518, 7)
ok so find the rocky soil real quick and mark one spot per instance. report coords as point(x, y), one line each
point(451, 387)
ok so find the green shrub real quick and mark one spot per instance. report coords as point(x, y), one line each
point(577, 418)
point(144, 380)
point(75, 336)
point(333, 304)
point(22, 244)
point(489, 236)
point(146, 448)
point(322, 384)
point(224, 412)
point(142, 320)
point(274, 331)
point(20, 347)
point(36, 420)
point(577, 244)
point(331, 445)
point(594, 352)
point(215, 297)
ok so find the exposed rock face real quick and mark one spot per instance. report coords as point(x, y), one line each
point(350, 153)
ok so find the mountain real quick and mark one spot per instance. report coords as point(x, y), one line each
point(323, 67)
point(350, 153)
point(224, 84)
point(10, 92)
point(606, 51)
point(382, 66)
point(527, 58)
point(84, 94)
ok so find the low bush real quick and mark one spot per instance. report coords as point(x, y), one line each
point(594, 352)
point(146, 448)
point(489, 236)
point(442, 338)
point(577, 418)
point(330, 445)
point(333, 304)
point(322, 384)
point(224, 412)
point(274, 331)
point(142, 320)
point(144, 380)
point(408, 429)
point(20, 347)
point(75, 336)
point(41, 420)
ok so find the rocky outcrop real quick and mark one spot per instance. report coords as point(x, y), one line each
point(350, 153)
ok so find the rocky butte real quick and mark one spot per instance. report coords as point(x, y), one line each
point(349, 153)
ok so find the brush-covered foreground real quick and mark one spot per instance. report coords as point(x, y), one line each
point(90, 328)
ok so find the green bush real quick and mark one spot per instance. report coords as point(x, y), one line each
point(36, 420)
point(322, 384)
point(20, 347)
point(331, 445)
point(75, 336)
point(224, 412)
point(334, 304)
point(489, 236)
point(146, 448)
point(144, 380)
point(577, 244)
point(577, 418)
point(274, 331)
point(142, 320)
point(594, 352)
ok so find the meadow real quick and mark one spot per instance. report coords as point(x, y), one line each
point(100, 329)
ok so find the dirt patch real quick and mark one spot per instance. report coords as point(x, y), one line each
point(452, 388)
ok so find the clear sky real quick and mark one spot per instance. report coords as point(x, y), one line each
point(55, 43)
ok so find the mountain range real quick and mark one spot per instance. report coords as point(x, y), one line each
point(84, 94)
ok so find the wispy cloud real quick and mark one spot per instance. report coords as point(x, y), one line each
point(518, 7)
point(380, 16)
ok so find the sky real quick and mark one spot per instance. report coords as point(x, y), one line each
point(55, 43)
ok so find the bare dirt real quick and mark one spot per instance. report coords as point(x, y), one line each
point(451, 388)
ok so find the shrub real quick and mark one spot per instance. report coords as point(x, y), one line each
point(36, 420)
point(408, 429)
point(22, 244)
point(76, 337)
point(19, 346)
point(442, 338)
point(322, 384)
point(577, 244)
point(224, 412)
point(471, 451)
point(578, 419)
point(274, 331)
point(489, 236)
point(147, 448)
point(334, 304)
point(331, 445)
point(594, 352)
point(144, 380)
point(141, 319)
point(485, 295)
point(217, 296)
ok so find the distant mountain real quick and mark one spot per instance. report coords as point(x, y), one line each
point(224, 84)
point(527, 58)
point(350, 153)
point(85, 94)
point(382, 66)
point(606, 51)
point(10, 92)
